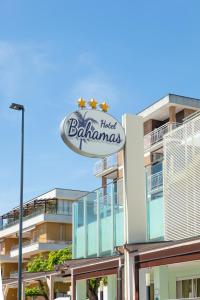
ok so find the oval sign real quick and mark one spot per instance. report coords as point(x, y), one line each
point(92, 133)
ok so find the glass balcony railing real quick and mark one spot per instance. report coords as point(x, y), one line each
point(157, 135)
point(155, 206)
point(105, 164)
point(98, 222)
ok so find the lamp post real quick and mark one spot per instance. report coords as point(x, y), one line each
point(20, 107)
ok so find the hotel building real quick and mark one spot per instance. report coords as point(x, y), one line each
point(141, 228)
point(47, 226)
point(148, 204)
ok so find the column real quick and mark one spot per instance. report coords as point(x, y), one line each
point(134, 181)
point(112, 287)
point(50, 284)
point(134, 195)
point(172, 114)
point(143, 290)
point(23, 291)
point(81, 290)
point(103, 181)
point(161, 283)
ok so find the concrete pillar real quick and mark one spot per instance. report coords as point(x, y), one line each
point(81, 290)
point(134, 194)
point(50, 284)
point(161, 283)
point(103, 181)
point(172, 114)
point(112, 287)
point(142, 283)
point(23, 290)
point(5, 291)
point(134, 181)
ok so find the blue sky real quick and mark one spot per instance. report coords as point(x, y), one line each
point(129, 53)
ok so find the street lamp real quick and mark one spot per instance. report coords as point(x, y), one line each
point(16, 106)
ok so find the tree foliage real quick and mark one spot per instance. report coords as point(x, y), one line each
point(37, 264)
point(43, 264)
point(93, 285)
point(58, 257)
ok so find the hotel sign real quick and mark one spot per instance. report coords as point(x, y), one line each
point(92, 133)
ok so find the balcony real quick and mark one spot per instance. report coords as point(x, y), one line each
point(35, 212)
point(153, 140)
point(106, 165)
point(33, 247)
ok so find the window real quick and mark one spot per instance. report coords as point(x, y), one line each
point(64, 207)
point(157, 167)
point(62, 232)
point(188, 288)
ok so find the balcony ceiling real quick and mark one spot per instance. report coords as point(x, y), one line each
point(160, 109)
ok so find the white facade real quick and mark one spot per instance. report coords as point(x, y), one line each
point(182, 181)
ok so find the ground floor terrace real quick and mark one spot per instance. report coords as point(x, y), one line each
point(104, 273)
point(166, 270)
point(76, 279)
point(54, 285)
point(158, 271)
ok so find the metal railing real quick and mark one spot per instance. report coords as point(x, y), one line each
point(36, 213)
point(157, 134)
point(155, 182)
point(14, 274)
point(105, 164)
point(30, 243)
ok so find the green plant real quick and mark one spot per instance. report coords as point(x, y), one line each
point(38, 264)
point(42, 264)
point(93, 285)
point(34, 291)
point(58, 257)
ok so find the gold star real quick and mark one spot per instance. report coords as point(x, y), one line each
point(81, 103)
point(104, 106)
point(93, 103)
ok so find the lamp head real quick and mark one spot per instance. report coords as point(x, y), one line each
point(16, 106)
